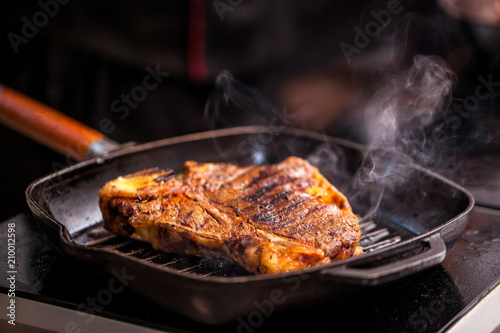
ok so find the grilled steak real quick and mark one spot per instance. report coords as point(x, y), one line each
point(269, 219)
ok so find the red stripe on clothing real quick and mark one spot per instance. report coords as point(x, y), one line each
point(197, 35)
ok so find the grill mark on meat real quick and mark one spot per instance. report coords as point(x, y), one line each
point(277, 217)
point(183, 220)
point(304, 217)
point(212, 215)
point(260, 192)
point(273, 197)
point(262, 175)
point(169, 174)
point(261, 189)
point(282, 195)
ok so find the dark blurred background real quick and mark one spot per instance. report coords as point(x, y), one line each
point(89, 53)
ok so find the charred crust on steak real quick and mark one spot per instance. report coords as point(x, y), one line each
point(167, 175)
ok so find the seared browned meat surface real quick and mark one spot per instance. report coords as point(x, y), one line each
point(269, 219)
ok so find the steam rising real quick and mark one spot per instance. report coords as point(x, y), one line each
point(332, 162)
point(399, 114)
point(233, 103)
point(399, 118)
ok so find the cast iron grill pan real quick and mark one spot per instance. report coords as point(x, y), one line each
point(417, 222)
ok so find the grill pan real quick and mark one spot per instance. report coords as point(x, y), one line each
point(417, 222)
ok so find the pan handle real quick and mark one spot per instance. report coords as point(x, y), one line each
point(433, 254)
point(50, 127)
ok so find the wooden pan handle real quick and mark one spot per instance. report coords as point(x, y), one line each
point(47, 126)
